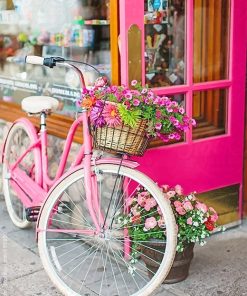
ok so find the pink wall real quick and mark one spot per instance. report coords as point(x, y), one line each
point(210, 163)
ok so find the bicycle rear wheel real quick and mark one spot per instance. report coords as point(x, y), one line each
point(20, 137)
point(81, 261)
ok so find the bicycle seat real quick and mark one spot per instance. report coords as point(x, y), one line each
point(38, 104)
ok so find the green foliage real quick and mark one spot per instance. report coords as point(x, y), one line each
point(129, 117)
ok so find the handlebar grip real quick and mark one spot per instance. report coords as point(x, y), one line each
point(35, 60)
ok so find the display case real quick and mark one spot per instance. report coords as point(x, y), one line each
point(84, 31)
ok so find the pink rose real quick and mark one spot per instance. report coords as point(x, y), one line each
point(150, 223)
point(171, 194)
point(181, 211)
point(177, 204)
point(178, 189)
point(201, 206)
point(188, 206)
point(141, 199)
point(214, 217)
point(189, 221)
point(150, 203)
point(165, 188)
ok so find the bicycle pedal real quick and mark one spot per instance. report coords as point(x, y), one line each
point(32, 214)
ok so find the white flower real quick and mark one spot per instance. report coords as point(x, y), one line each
point(202, 243)
point(196, 224)
point(131, 270)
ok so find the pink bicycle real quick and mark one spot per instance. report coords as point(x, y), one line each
point(84, 245)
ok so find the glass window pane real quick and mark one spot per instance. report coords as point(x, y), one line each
point(164, 42)
point(210, 112)
point(211, 39)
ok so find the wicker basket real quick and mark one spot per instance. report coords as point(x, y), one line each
point(121, 139)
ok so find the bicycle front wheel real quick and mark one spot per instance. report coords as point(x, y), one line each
point(83, 261)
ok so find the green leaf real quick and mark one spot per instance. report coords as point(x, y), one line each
point(129, 117)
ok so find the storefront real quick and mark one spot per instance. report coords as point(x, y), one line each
point(193, 51)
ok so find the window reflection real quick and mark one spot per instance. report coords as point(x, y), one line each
point(211, 39)
point(164, 42)
point(209, 110)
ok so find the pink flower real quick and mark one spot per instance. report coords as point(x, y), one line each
point(214, 217)
point(165, 188)
point(150, 223)
point(178, 189)
point(136, 102)
point(134, 82)
point(201, 206)
point(141, 199)
point(111, 115)
point(128, 95)
point(177, 204)
point(158, 126)
point(181, 211)
point(158, 114)
point(188, 206)
point(171, 193)
point(189, 221)
point(161, 223)
point(181, 110)
point(193, 122)
point(150, 203)
point(134, 210)
point(144, 91)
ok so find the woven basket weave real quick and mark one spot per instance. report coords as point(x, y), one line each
point(121, 139)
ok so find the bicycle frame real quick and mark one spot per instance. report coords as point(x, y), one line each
point(33, 193)
point(42, 182)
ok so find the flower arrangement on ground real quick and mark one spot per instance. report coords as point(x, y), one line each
point(114, 106)
point(195, 221)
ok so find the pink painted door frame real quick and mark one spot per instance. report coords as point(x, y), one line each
point(210, 163)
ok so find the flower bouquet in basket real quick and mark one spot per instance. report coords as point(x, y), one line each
point(146, 226)
point(125, 119)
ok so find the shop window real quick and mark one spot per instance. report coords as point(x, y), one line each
point(211, 39)
point(164, 42)
point(209, 110)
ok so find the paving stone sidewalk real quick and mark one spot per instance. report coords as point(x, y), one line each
point(218, 268)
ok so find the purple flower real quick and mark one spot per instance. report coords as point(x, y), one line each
point(96, 114)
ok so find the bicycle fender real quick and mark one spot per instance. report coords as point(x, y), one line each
point(127, 163)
